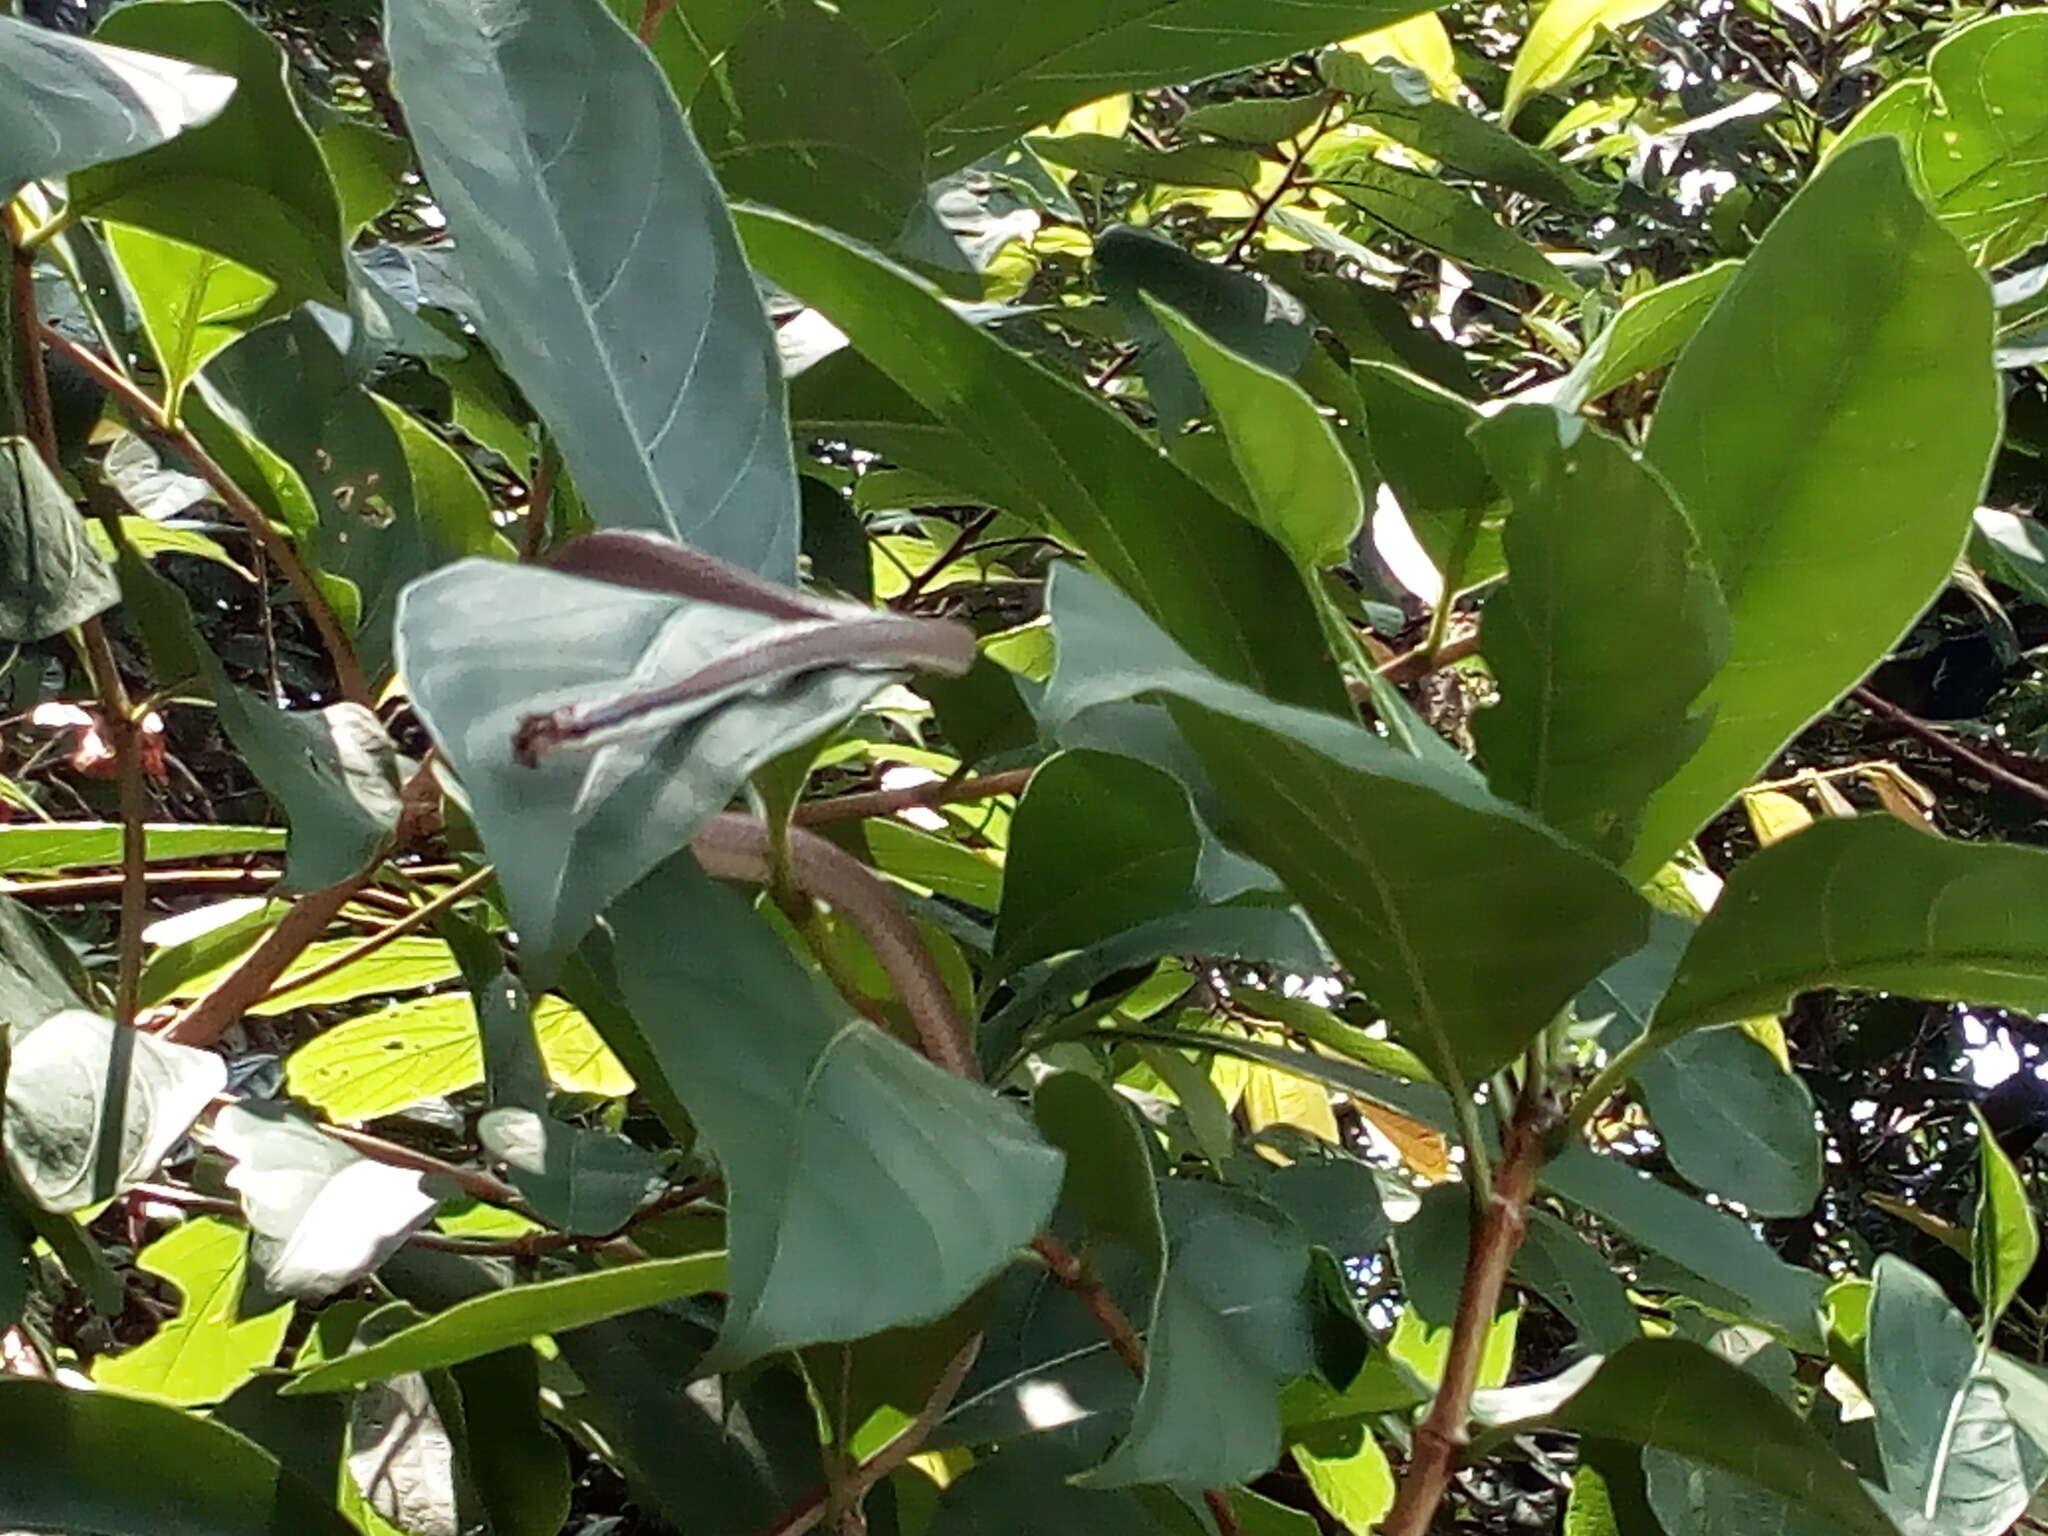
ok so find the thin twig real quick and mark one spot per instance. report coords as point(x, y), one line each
point(1286, 184)
point(80, 889)
point(414, 919)
point(886, 802)
point(1413, 666)
point(348, 670)
point(477, 1183)
point(1920, 729)
point(971, 530)
point(540, 496)
point(124, 733)
point(651, 15)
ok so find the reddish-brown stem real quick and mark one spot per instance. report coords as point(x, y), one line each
point(341, 654)
point(886, 802)
point(477, 1183)
point(1442, 1435)
point(1412, 666)
point(1976, 761)
point(39, 419)
point(972, 530)
point(651, 15)
point(540, 495)
point(424, 913)
point(1286, 184)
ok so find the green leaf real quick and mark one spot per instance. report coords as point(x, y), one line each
point(1560, 36)
point(1256, 120)
point(1678, 1396)
point(1871, 903)
point(485, 645)
point(66, 103)
point(1073, 466)
point(549, 119)
point(2004, 1241)
point(1975, 134)
point(1444, 218)
point(774, 137)
point(39, 974)
point(1691, 1500)
point(1254, 318)
point(1423, 444)
point(406, 964)
point(978, 79)
point(1734, 1122)
point(50, 575)
point(209, 1348)
point(519, 1465)
point(181, 1475)
point(1606, 631)
point(1107, 1184)
point(1401, 104)
point(47, 847)
point(251, 183)
point(1842, 382)
point(813, 1116)
point(1710, 1243)
point(1099, 844)
point(92, 1108)
point(1648, 332)
point(1951, 1455)
point(1348, 1473)
point(1336, 812)
point(1185, 165)
point(368, 167)
point(577, 1179)
point(1027, 1487)
point(498, 1320)
point(1574, 1277)
point(1302, 487)
point(322, 1215)
point(191, 301)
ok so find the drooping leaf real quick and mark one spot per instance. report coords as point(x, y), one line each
point(1444, 218)
point(1841, 385)
point(1605, 633)
point(1975, 133)
point(251, 183)
point(1648, 332)
point(638, 336)
point(518, 1464)
point(208, 1348)
point(39, 975)
point(2004, 1241)
point(1866, 902)
point(843, 1150)
point(50, 575)
point(499, 1320)
point(1951, 1454)
point(1301, 484)
point(1560, 36)
point(323, 1215)
point(1373, 843)
point(181, 1475)
point(1072, 466)
point(483, 646)
point(1098, 844)
point(66, 103)
point(1401, 104)
point(93, 1108)
point(1734, 1122)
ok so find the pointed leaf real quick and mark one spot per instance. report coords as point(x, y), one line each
point(1444, 218)
point(574, 1178)
point(192, 301)
point(2004, 1240)
point(1648, 332)
point(1562, 32)
point(1423, 444)
point(1843, 383)
point(623, 310)
point(1185, 165)
point(1734, 1122)
point(209, 1348)
point(50, 575)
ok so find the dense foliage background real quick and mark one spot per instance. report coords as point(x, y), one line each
point(1106, 911)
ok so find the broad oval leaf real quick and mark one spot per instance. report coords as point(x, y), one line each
point(604, 266)
point(1841, 389)
point(1871, 903)
point(1734, 1122)
point(66, 103)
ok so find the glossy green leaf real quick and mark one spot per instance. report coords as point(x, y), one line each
point(1221, 587)
point(1423, 445)
point(1710, 1243)
point(1108, 1184)
point(2004, 1241)
point(1951, 1454)
point(549, 119)
point(92, 1108)
point(1605, 633)
point(1677, 1396)
point(1975, 131)
point(1302, 487)
point(182, 1475)
point(484, 645)
point(1869, 903)
point(501, 1319)
point(774, 137)
point(1098, 844)
point(47, 847)
point(1734, 1122)
point(192, 301)
point(1648, 332)
point(1560, 36)
point(368, 167)
point(977, 78)
point(813, 1117)
point(250, 184)
point(66, 103)
point(208, 1348)
point(1383, 850)
point(1444, 218)
point(1401, 104)
point(1185, 165)
point(1842, 382)
point(50, 575)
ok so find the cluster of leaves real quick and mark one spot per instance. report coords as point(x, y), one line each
point(969, 768)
